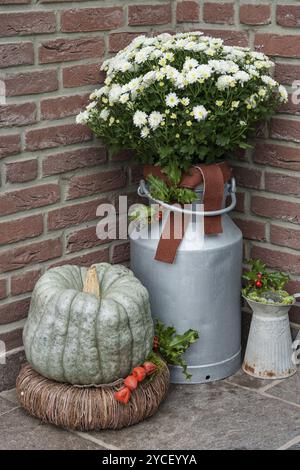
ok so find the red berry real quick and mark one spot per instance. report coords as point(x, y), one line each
point(258, 284)
point(131, 382)
point(155, 343)
point(139, 373)
point(259, 275)
point(123, 395)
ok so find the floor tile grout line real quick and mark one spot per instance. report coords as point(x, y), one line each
point(255, 390)
point(9, 411)
point(267, 395)
point(271, 385)
point(287, 445)
point(88, 437)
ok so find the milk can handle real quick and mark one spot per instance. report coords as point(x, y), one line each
point(143, 192)
point(296, 343)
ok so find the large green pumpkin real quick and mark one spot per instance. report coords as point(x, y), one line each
point(88, 337)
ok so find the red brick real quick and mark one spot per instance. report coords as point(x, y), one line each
point(118, 41)
point(21, 229)
point(285, 129)
point(73, 160)
point(55, 136)
point(14, 2)
point(218, 12)
point(73, 214)
point(3, 290)
point(20, 172)
point(277, 155)
point(63, 106)
point(255, 14)
point(61, 50)
point(16, 54)
point(27, 83)
point(287, 262)
point(276, 209)
point(247, 177)
point(136, 173)
point(82, 75)
point(17, 258)
point(240, 202)
point(92, 19)
point(252, 229)
point(285, 236)
point(83, 239)
point(12, 339)
point(9, 145)
point(294, 314)
point(14, 311)
point(230, 38)
point(87, 185)
point(287, 73)
point(28, 198)
point(277, 45)
point(17, 114)
point(291, 107)
point(120, 253)
point(21, 283)
point(100, 256)
point(149, 14)
point(288, 15)
point(293, 286)
point(282, 184)
point(187, 11)
point(24, 23)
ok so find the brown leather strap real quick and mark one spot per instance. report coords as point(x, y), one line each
point(213, 176)
point(213, 196)
point(169, 242)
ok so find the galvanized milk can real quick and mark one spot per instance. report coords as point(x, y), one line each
point(270, 353)
point(200, 290)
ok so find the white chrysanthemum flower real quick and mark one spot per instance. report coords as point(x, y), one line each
point(283, 94)
point(145, 132)
point(149, 77)
point(192, 76)
point(82, 118)
point(269, 81)
point(155, 119)
point(204, 71)
point(124, 98)
point(102, 91)
point(91, 105)
point(258, 55)
point(225, 81)
point(243, 123)
point(133, 84)
point(115, 93)
point(156, 54)
point(179, 81)
point(262, 91)
point(123, 66)
point(172, 100)
point(200, 113)
point(190, 64)
point(199, 47)
point(139, 118)
point(104, 114)
point(241, 76)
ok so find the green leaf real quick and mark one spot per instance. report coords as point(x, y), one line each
point(172, 346)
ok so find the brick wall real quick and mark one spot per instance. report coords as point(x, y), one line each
point(53, 174)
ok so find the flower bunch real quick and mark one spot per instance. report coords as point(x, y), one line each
point(181, 99)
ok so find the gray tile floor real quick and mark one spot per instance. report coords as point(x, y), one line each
point(238, 413)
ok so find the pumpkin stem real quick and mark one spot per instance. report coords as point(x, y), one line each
point(91, 283)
